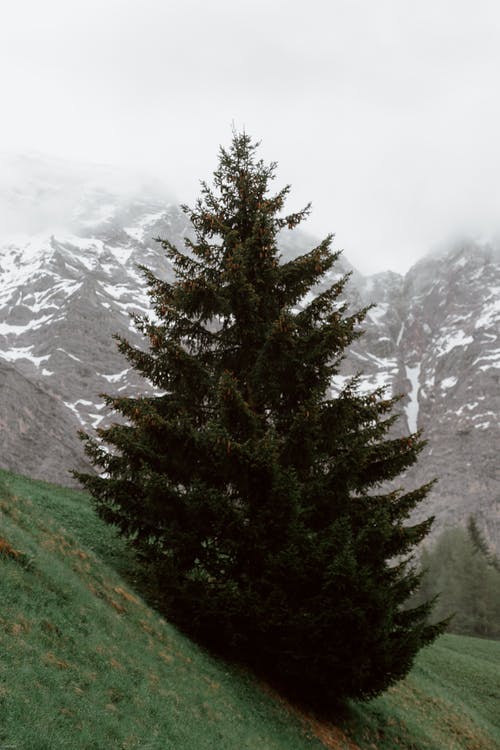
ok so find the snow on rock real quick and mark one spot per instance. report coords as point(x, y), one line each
point(449, 382)
point(75, 411)
point(413, 375)
point(12, 355)
point(450, 339)
point(378, 312)
point(491, 311)
point(117, 376)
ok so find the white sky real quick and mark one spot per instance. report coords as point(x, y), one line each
point(384, 113)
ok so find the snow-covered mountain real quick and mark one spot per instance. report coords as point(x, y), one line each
point(435, 336)
point(68, 281)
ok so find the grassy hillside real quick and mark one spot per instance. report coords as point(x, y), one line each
point(451, 699)
point(85, 663)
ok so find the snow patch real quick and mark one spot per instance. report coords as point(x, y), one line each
point(366, 385)
point(33, 325)
point(138, 231)
point(371, 383)
point(122, 254)
point(492, 356)
point(378, 312)
point(82, 243)
point(469, 407)
point(490, 314)
point(338, 383)
point(75, 411)
point(71, 356)
point(482, 426)
point(449, 341)
point(116, 291)
point(413, 375)
point(449, 382)
point(118, 376)
point(492, 366)
point(23, 353)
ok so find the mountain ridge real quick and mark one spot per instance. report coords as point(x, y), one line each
point(432, 336)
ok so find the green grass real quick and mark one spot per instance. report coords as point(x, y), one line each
point(451, 699)
point(86, 663)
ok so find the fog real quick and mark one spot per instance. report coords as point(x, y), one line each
point(385, 115)
point(40, 193)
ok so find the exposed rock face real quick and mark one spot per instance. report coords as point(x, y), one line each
point(433, 336)
point(438, 334)
point(37, 433)
point(62, 299)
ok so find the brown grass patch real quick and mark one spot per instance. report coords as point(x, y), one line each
point(125, 594)
point(19, 627)
point(117, 606)
point(168, 658)
point(460, 729)
point(53, 661)
point(211, 684)
point(7, 550)
point(331, 736)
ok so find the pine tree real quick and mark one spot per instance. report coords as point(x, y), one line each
point(462, 571)
point(480, 544)
point(254, 493)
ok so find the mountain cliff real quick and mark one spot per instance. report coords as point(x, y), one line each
point(69, 281)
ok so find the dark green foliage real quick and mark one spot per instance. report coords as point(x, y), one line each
point(480, 545)
point(466, 575)
point(256, 496)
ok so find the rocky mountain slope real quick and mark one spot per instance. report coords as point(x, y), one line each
point(436, 335)
point(71, 280)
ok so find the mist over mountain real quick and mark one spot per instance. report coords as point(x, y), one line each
point(70, 241)
point(45, 194)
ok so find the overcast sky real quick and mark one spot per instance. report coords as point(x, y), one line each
point(384, 113)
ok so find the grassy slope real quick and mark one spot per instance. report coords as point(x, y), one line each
point(451, 699)
point(85, 663)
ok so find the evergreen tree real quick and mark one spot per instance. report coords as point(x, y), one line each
point(480, 545)
point(465, 574)
point(254, 493)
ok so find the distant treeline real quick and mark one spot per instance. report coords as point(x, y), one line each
point(465, 575)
